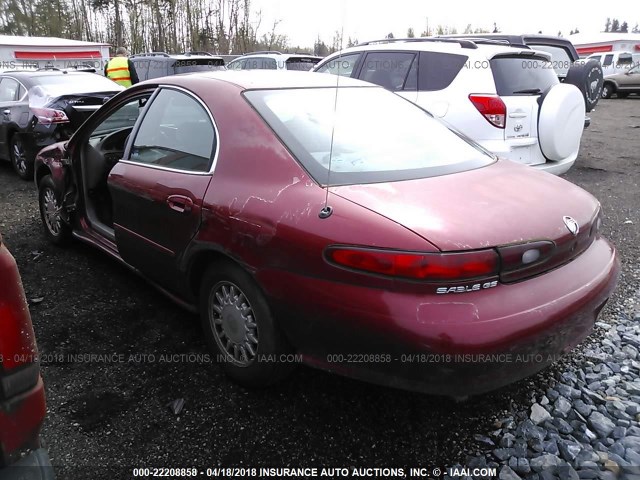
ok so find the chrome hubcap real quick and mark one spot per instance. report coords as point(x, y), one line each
point(233, 323)
point(51, 211)
point(19, 156)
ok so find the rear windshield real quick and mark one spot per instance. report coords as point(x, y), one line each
point(377, 135)
point(69, 84)
point(302, 64)
point(519, 75)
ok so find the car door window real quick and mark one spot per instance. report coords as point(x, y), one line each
point(236, 65)
point(176, 132)
point(387, 69)
point(437, 70)
point(343, 66)
point(608, 60)
point(9, 90)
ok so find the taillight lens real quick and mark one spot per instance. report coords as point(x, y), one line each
point(48, 116)
point(431, 267)
point(491, 107)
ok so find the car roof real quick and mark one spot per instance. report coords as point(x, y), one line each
point(277, 55)
point(180, 56)
point(263, 79)
point(44, 73)
point(435, 45)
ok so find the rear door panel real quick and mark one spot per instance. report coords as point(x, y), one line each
point(157, 191)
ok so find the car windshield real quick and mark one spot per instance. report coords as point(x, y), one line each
point(78, 83)
point(352, 135)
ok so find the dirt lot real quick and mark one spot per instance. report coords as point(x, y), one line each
point(107, 416)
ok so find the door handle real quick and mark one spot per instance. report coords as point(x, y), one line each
point(6, 111)
point(180, 203)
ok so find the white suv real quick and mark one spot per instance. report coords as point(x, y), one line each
point(507, 99)
point(273, 60)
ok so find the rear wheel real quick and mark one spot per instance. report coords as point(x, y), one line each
point(55, 228)
point(19, 158)
point(607, 90)
point(240, 329)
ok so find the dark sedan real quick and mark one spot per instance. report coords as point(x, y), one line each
point(336, 221)
point(38, 108)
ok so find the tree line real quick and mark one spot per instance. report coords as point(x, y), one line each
point(615, 26)
point(220, 26)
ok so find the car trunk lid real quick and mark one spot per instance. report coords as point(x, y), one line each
point(497, 205)
point(79, 107)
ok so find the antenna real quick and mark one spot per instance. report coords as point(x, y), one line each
point(327, 210)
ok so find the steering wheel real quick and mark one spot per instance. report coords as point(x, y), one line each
point(112, 146)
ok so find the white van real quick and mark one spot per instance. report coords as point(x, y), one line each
point(616, 62)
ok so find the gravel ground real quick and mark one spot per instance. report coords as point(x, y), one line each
point(106, 416)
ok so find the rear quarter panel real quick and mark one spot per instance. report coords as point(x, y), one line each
point(262, 207)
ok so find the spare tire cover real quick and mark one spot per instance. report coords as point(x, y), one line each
point(588, 78)
point(561, 122)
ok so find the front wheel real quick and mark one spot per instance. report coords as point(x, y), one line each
point(55, 229)
point(240, 329)
point(22, 164)
point(607, 90)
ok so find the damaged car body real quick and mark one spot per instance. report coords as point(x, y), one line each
point(43, 107)
point(337, 221)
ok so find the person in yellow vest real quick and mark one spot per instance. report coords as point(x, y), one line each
point(121, 70)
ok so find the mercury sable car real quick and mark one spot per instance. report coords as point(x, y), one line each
point(331, 218)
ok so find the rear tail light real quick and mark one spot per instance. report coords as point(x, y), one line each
point(48, 116)
point(431, 267)
point(491, 107)
point(524, 259)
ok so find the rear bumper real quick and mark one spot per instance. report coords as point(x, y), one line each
point(526, 151)
point(454, 344)
point(35, 466)
point(556, 168)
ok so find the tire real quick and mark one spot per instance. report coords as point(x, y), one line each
point(607, 90)
point(560, 122)
point(240, 329)
point(588, 78)
point(56, 229)
point(22, 164)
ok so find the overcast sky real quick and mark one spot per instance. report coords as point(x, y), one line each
point(303, 20)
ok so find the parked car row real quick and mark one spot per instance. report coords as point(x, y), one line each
point(493, 88)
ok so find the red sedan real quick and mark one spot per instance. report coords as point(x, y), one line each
point(336, 221)
point(22, 402)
